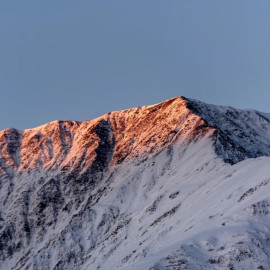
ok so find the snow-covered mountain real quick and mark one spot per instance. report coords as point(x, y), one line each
point(177, 185)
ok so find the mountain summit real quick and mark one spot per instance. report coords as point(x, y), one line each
point(176, 185)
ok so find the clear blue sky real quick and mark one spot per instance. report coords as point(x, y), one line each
point(77, 60)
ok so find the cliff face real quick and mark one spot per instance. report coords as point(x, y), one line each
point(116, 192)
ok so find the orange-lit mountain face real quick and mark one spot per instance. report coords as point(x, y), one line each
point(177, 185)
point(108, 140)
point(138, 132)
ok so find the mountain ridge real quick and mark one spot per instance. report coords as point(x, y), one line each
point(233, 140)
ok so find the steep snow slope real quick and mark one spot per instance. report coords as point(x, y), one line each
point(245, 133)
point(157, 187)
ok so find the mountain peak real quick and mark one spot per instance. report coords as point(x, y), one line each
point(153, 187)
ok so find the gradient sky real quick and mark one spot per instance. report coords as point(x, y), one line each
point(77, 60)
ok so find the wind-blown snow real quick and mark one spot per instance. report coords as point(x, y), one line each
point(157, 187)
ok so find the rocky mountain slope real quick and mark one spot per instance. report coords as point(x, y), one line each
point(176, 185)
